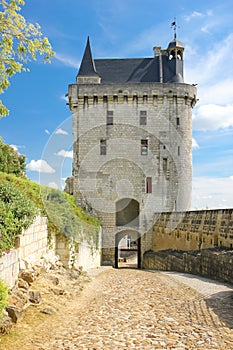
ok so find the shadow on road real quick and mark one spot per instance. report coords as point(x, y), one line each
point(222, 305)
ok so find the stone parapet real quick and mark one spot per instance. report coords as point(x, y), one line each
point(213, 263)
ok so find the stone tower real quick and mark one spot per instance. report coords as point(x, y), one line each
point(132, 127)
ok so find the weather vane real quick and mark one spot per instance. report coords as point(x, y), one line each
point(174, 26)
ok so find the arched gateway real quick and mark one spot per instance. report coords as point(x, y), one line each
point(132, 245)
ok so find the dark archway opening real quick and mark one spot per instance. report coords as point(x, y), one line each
point(127, 212)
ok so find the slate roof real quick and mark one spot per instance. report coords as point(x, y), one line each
point(135, 70)
point(128, 70)
point(87, 67)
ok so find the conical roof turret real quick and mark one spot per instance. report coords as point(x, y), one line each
point(87, 67)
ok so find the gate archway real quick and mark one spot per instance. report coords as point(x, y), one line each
point(134, 247)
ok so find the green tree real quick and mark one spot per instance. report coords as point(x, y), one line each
point(20, 42)
point(10, 161)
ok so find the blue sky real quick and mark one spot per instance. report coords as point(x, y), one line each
point(39, 124)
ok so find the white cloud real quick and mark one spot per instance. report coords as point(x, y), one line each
point(40, 166)
point(213, 71)
point(47, 131)
point(213, 117)
point(194, 144)
point(14, 147)
point(213, 65)
point(220, 92)
point(53, 185)
point(64, 98)
point(68, 61)
point(66, 154)
point(194, 14)
point(212, 192)
point(61, 132)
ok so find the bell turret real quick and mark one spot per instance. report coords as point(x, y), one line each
point(175, 52)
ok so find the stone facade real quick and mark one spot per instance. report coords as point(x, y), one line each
point(132, 149)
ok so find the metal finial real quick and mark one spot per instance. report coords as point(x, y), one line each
point(174, 26)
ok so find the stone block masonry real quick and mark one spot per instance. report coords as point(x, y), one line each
point(197, 242)
point(193, 230)
point(213, 263)
point(30, 246)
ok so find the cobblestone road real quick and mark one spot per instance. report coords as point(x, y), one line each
point(133, 309)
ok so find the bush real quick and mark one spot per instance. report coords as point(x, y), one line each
point(3, 296)
point(16, 213)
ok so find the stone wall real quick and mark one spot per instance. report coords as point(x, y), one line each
point(198, 242)
point(193, 230)
point(83, 255)
point(31, 245)
point(213, 263)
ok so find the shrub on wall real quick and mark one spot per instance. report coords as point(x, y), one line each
point(16, 213)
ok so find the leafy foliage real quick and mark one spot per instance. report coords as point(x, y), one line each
point(20, 42)
point(3, 296)
point(64, 216)
point(10, 161)
point(67, 218)
point(16, 214)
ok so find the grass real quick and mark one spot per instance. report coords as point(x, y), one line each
point(64, 216)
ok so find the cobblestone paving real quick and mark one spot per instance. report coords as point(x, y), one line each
point(133, 309)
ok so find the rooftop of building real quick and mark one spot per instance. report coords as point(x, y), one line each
point(164, 67)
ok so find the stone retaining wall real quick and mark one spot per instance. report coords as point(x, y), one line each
point(213, 263)
point(31, 245)
point(84, 255)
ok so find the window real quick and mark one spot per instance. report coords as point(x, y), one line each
point(177, 121)
point(144, 147)
point(145, 98)
point(95, 99)
point(143, 185)
point(165, 166)
point(125, 98)
point(115, 98)
point(85, 100)
point(178, 150)
point(109, 117)
point(103, 147)
point(105, 99)
point(149, 185)
point(143, 117)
